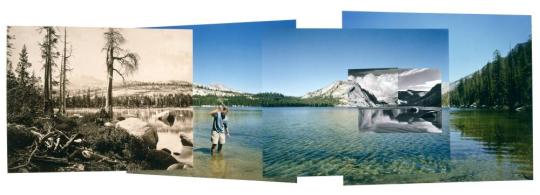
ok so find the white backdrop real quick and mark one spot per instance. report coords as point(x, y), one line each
point(309, 14)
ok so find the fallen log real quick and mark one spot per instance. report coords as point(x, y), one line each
point(71, 139)
point(48, 159)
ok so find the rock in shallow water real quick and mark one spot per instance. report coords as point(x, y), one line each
point(186, 140)
point(160, 159)
point(141, 129)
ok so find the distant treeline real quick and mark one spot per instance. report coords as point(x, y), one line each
point(237, 100)
point(506, 81)
point(277, 100)
point(265, 100)
point(134, 101)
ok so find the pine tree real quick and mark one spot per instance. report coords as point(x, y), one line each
point(22, 68)
point(503, 82)
point(128, 62)
point(9, 49)
point(49, 54)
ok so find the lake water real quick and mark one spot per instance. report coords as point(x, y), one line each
point(169, 135)
point(241, 156)
point(279, 144)
point(490, 145)
point(471, 146)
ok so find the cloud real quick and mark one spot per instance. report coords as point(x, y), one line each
point(418, 79)
point(413, 71)
point(426, 86)
point(384, 86)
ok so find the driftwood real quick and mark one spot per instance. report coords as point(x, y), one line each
point(63, 149)
point(51, 141)
point(48, 159)
point(36, 144)
point(70, 140)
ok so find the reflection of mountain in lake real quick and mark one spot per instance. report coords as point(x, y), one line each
point(400, 120)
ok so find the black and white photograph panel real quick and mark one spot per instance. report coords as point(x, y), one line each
point(98, 99)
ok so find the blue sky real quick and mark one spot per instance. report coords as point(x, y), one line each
point(299, 61)
point(230, 54)
point(473, 38)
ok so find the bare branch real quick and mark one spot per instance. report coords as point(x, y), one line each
point(121, 75)
point(129, 62)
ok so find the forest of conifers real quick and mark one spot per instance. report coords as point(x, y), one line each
point(264, 99)
point(134, 101)
point(505, 82)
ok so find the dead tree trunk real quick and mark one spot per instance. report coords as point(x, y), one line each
point(48, 111)
point(128, 62)
point(63, 69)
point(110, 68)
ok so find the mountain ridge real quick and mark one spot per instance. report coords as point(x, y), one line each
point(349, 93)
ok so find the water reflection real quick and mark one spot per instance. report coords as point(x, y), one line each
point(400, 120)
point(499, 140)
point(218, 166)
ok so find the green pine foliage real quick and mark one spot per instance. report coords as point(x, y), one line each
point(505, 82)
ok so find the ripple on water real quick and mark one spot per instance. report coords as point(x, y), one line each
point(326, 141)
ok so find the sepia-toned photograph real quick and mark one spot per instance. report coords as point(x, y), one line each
point(99, 99)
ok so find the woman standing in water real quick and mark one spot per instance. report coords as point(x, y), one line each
point(219, 127)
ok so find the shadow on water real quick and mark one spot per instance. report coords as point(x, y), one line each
point(202, 150)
